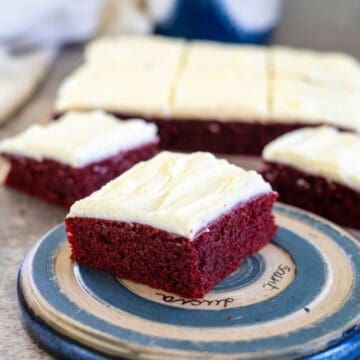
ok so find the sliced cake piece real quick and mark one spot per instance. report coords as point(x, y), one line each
point(178, 222)
point(67, 160)
point(317, 169)
point(221, 93)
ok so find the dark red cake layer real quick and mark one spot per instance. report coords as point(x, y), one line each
point(63, 184)
point(172, 262)
point(222, 137)
point(334, 201)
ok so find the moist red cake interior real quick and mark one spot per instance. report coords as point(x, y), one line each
point(327, 198)
point(222, 137)
point(172, 262)
point(63, 184)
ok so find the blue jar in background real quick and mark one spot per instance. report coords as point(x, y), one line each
point(246, 21)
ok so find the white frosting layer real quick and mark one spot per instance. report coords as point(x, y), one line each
point(321, 151)
point(295, 101)
point(222, 82)
point(208, 96)
point(328, 69)
point(159, 77)
point(135, 90)
point(126, 74)
point(136, 50)
point(227, 57)
point(178, 193)
point(78, 139)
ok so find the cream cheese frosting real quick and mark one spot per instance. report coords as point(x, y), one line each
point(136, 90)
point(227, 57)
point(175, 192)
point(320, 151)
point(220, 98)
point(222, 82)
point(133, 50)
point(126, 74)
point(323, 68)
point(295, 101)
point(78, 138)
point(163, 78)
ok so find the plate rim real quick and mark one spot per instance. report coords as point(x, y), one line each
point(340, 339)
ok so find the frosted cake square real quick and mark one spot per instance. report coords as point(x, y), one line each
point(67, 160)
point(317, 169)
point(178, 222)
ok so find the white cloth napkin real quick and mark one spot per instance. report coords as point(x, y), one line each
point(45, 25)
point(19, 76)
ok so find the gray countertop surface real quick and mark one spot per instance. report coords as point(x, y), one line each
point(319, 24)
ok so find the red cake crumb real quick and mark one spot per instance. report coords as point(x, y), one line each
point(189, 268)
point(222, 137)
point(22, 211)
point(332, 200)
point(63, 184)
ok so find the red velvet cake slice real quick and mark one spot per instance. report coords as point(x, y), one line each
point(178, 222)
point(65, 161)
point(317, 169)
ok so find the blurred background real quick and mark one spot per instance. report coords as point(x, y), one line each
point(41, 39)
point(41, 42)
point(328, 24)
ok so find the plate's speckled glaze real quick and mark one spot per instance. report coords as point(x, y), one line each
point(299, 296)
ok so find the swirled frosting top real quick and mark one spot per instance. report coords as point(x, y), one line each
point(322, 151)
point(80, 138)
point(175, 192)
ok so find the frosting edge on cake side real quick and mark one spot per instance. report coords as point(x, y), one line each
point(175, 192)
point(323, 151)
point(79, 138)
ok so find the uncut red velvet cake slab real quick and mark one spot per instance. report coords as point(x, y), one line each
point(200, 93)
point(65, 161)
point(317, 169)
point(178, 222)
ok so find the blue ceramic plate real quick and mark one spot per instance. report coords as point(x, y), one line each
point(297, 297)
